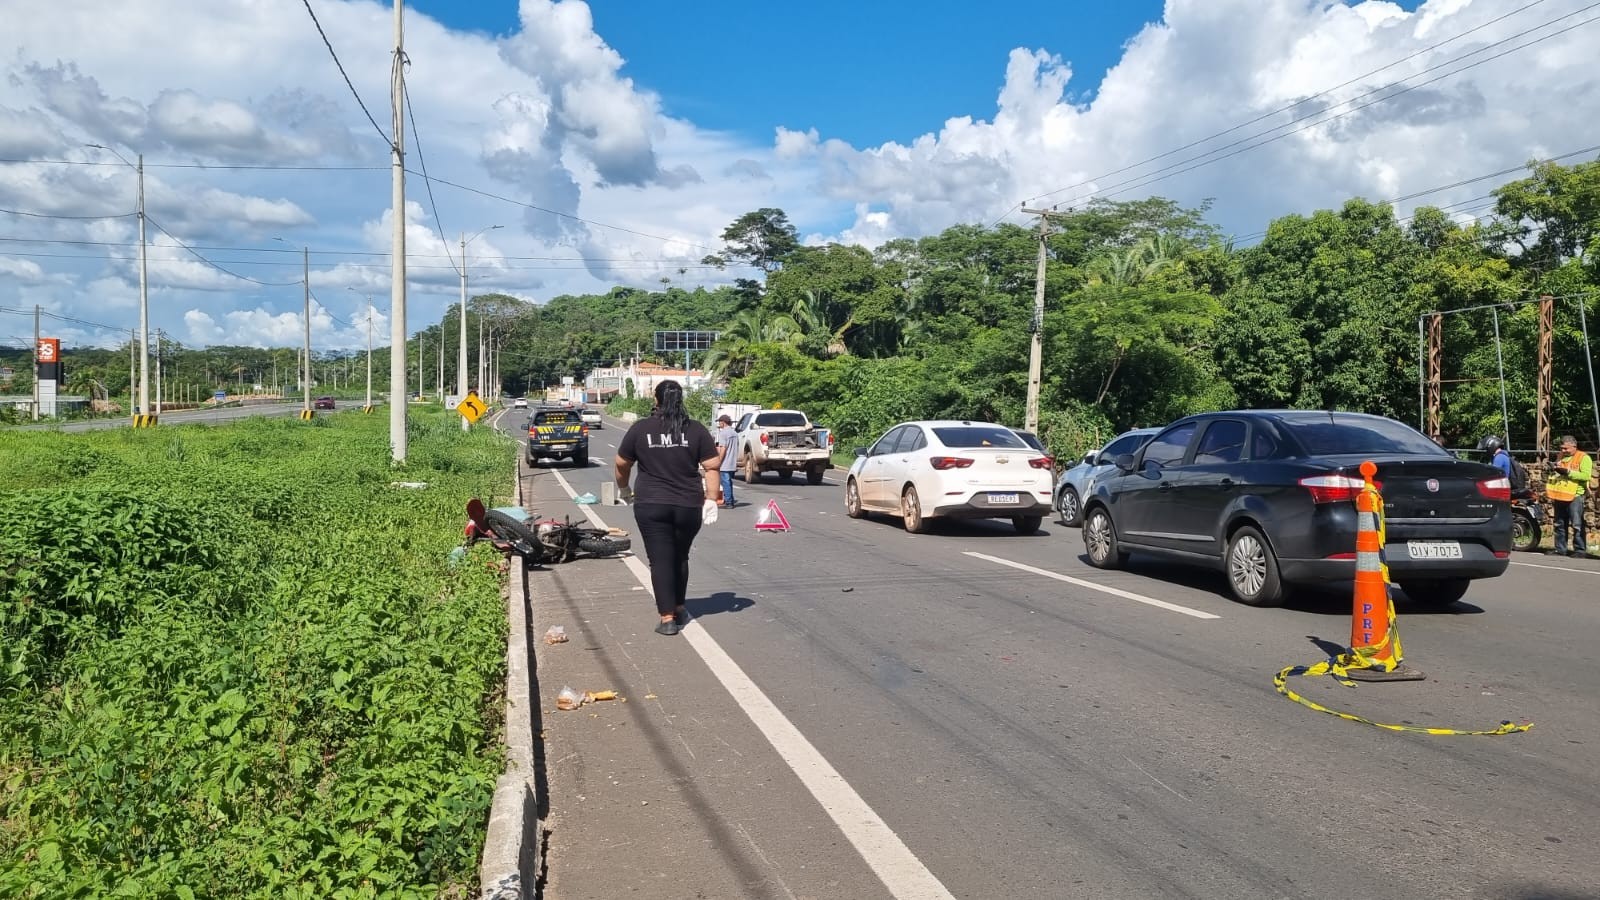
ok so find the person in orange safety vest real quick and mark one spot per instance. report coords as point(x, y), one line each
point(1565, 487)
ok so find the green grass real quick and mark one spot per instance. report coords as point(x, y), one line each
point(234, 661)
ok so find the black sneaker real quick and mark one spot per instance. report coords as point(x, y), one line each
point(669, 627)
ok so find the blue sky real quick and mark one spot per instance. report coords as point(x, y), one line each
point(865, 72)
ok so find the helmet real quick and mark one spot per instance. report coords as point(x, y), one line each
point(1490, 444)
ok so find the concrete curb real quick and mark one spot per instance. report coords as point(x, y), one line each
point(511, 851)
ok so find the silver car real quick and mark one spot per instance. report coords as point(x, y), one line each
point(1077, 481)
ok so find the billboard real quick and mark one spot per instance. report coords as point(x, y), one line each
point(682, 341)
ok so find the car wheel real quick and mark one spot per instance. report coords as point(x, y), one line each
point(911, 508)
point(1067, 505)
point(580, 460)
point(1100, 540)
point(786, 475)
point(1436, 594)
point(1524, 532)
point(751, 473)
point(1026, 524)
point(852, 501)
point(1253, 569)
point(814, 476)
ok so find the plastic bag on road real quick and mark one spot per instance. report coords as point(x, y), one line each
point(568, 698)
point(557, 634)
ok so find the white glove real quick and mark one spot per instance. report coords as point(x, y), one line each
point(708, 512)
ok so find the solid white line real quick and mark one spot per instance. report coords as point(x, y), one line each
point(889, 858)
point(1105, 589)
point(1557, 568)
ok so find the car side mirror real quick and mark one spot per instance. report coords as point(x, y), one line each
point(1088, 459)
point(861, 451)
point(1124, 461)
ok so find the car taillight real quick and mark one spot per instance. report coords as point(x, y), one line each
point(1332, 488)
point(830, 439)
point(583, 430)
point(763, 437)
point(950, 462)
point(1043, 462)
point(1496, 488)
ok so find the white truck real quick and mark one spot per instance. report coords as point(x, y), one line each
point(782, 441)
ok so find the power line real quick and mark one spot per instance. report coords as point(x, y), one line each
point(31, 215)
point(268, 167)
point(1288, 107)
point(197, 255)
point(416, 142)
point(504, 199)
point(1200, 161)
point(336, 62)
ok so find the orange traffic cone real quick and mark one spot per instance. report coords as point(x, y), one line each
point(1375, 653)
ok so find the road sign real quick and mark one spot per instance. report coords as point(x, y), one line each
point(471, 408)
point(49, 350)
point(451, 401)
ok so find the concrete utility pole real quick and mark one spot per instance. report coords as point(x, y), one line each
point(37, 337)
point(158, 373)
point(1036, 324)
point(480, 355)
point(368, 407)
point(444, 342)
point(305, 258)
point(144, 290)
point(397, 287)
point(133, 350)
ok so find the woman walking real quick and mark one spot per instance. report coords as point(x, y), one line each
point(677, 491)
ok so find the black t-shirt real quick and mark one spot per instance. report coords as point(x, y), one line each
point(669, 464)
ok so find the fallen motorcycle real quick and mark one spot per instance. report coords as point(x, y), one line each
point(513, 529)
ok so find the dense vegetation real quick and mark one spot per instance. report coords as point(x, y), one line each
point(235, 661)
point(1150, 313)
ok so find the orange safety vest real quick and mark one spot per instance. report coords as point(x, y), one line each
point(1564, 487)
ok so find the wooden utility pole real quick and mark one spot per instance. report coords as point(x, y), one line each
point(1036, 323)
point(1547, 328)
point(1435, 372)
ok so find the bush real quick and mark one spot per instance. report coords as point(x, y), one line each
point(235, 662)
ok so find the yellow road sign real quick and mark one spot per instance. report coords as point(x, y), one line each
point(471, 408)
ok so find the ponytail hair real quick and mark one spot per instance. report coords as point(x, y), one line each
point(669, 406)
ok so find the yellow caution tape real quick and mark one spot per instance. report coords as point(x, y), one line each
point(1340, 666)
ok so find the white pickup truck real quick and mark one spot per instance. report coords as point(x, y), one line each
point(783, 441)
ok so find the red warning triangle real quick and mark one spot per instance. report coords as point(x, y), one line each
point(772, 518)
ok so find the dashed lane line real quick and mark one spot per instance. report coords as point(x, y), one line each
point(1102, 588)
point(901, 872)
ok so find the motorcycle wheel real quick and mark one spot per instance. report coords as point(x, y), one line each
point(603, 546)
point(1524, 532)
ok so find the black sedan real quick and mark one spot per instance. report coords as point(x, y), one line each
point(1269, 498)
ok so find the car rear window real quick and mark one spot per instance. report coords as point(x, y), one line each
point(1337, 435)
point(781, 420)
point(964, 436)
point(556, 418)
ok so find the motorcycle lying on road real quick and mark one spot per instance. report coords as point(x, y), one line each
point(539, 542)
point(1527, 519)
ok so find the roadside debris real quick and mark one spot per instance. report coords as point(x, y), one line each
point(557, 634)
point(414, 485)
point(586, 499)
point(571, 699)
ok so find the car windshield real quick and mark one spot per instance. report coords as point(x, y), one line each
point(965, 436)
point(781, 420)
point(1337, 435)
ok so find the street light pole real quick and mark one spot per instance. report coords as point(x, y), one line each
point(144, 289)
point(461, 356)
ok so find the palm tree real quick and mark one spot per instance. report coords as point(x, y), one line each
point(812, 314)
point(735, 346)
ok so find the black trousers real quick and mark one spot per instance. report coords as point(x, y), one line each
point(667, 532)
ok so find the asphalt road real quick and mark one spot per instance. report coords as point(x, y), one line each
point(193, 416)
point(1027, 732)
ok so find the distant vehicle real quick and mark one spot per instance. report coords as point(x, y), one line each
point(591, 417)
point(520, 403)
point(946, 469)
point(323, 403)
point(558, 434)
point(1268, 497)
point(1032, 440)
point(1077, 481)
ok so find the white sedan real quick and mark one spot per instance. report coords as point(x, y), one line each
point(591, 417)
point(950, 469)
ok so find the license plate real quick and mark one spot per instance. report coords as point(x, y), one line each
point(1005, 498)
point(561, 445)
point(1434, 549)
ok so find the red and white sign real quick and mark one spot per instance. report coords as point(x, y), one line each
point(772, 518)
point(49, 350)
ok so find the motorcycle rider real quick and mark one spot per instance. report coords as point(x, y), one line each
point(1498, 457)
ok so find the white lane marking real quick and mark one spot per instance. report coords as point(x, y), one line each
point(1558, 568)
point(889, 858)
point(1105, 589)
